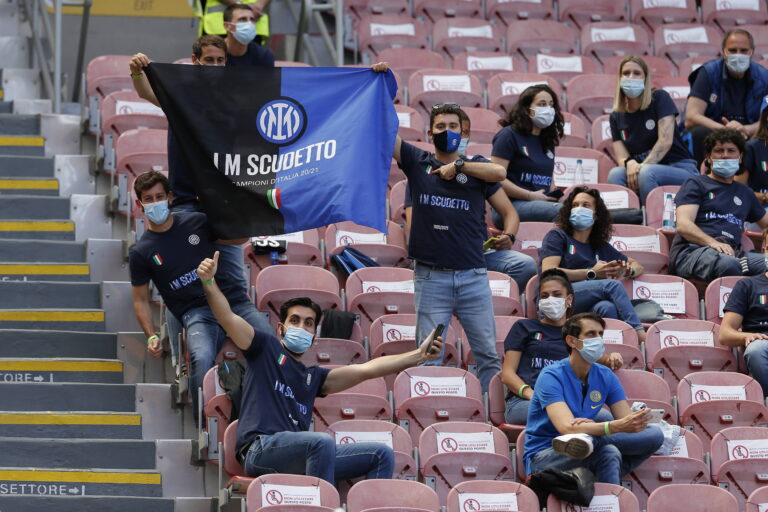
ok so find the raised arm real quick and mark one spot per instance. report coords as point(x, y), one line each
point(143, 314)
point(140, 82)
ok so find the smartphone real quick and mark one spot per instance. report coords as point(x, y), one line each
point(489, 243)
point(438, 332)
point(556, 193)
point(656, 415)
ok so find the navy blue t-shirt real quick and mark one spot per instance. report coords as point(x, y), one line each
point(639, 131)
point(723, 207)
point(448, 221)
point(530, 165)
point(255, 55)
point(574, 254)
point(178, 175)
point(170, 259)
point(541, 345)
point(278, 391)
point(756, 162)
point(734, 95)
point(749, 298)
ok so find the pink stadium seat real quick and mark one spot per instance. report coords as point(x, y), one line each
point(238, 483)
point(302, 248)
point(466, 495)
point(658, 66)
point(290, 64)
point(375, 291)
point(757, 500)
point(455, 35)
point(728, 14)
point(412, 124)
point(125, 110)
point(531, 37)
point(371, 7)
point(449, 455)
point(377, 33)
point(504, 89)
point(506, 295)
point(679, 301)
point(624, 498)
point(738, 461)
point(677, 87)
point(642, 243)
point(274, 493)
point(425, 395)
point(615, 196)
point(428, 87)
point(434, 10)
point(702, 498)
point(575, 132)
point(608, 38)
point(582, 12)
point(760, 35)
point(365, 401)
point(591, 96)
point(510, 11)
point(529, 238)
point(641, 386)
point(485, 124)
point(497, 393)
point(622, 338)
point(676, 41)
point(689, 64)
point(716, 296)
point(532, 292)
point(396, 202)
point(217, 409)
point(486, 64)
point(334, 351)
point(188, 61)
point(106, 74)
point(391, 495)
point(518, 455)
point(141, 150)
point(653, 14)
point(474, 149)
point(595, 166)
point(503, 325)
point(602, 139)
point(388, 249)
point(406, 61)
point(711, 401)
point(563, 67)
point(654, 204)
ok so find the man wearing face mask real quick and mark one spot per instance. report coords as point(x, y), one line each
point(279, 393)
point(726, 91)
point(168, 254)
point(562, 432)
point(711, 211)
point(239, 22)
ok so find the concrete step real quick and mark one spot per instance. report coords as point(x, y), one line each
point(53, 251)
point(49, 295)
point(89, 320)
point(94, 482)
point(61, 370)
point(77, 453)
point(68, 397)
point(65, 344)
point(46, 271)
point(19, 124)
point(24, 145)
point(6, 107)
point(14, 51)
point(33, 207)
point(37, 229)
point(29, 186)
point(91, 504)
point(9, 20)
point(71, 425)
point(20, 82)
point(29, 166)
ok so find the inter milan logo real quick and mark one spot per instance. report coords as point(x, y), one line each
point(281, 121)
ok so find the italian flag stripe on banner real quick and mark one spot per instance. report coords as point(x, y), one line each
point(273, 196)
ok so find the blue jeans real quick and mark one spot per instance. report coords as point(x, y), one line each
point(516, 265)
point(607, 298)
point(530, 211)
point(704, 263)
point(756, 357)
point(656, 175)
point(516, 411)
point(613, 457)
point(317, 454)
point(441, 293)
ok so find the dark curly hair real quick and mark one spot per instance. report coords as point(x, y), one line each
point(519, 118)
point(721, 136)
point(603, 226)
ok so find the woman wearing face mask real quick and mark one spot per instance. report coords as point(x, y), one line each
point(580, 247)
point(534, 343)
point(525, 147)
point(646, 141)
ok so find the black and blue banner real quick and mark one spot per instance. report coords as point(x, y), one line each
point(279, 150)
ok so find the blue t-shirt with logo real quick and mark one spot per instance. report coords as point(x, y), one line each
point(541, 345)
point(639, 131)
point(574, 254)
point(530, 165)
point(448, 221)
point(756, 162)
point(558, 383)
point(278, 391)
point(749, 298)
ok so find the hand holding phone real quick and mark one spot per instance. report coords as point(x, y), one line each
point(438, 331)
point(489, 243)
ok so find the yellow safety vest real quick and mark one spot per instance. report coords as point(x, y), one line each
point(212, 21)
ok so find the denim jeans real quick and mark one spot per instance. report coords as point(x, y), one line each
point(530, 211)
point(613, 457)
point(317, 454)
point(516, 265)
point(516, 411)
point(756, 357)
point(466, 293)
point(607, 298)
point(656, 175)
point(704, 263)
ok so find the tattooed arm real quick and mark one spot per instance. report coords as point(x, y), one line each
point(664, 143)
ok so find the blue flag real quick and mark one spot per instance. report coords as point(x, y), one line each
point(279, 150)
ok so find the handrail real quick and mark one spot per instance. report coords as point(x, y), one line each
point(313, 9)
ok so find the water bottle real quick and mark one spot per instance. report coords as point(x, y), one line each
point(668, 219)
point(273, 257)
point(578, 174)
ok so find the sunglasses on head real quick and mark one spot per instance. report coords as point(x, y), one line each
point(441, 105)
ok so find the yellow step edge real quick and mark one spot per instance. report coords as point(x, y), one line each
point(51, 316)
point(35, 225)
point(69, 419)
point(50, 184)
point(47, 270)
point(62, 366)
point(85, 477)
point(20, 140)
point(2, 94)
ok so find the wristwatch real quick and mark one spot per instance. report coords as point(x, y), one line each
point(591, 274)
point(458, 165)
point(512, 237)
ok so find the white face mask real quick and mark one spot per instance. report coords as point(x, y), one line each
point(543, 116)
point(737, 62)
point(553, 308)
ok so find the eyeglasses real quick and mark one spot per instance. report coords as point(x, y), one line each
point(441, 105)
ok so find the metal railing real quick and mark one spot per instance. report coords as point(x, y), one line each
point(314, 9)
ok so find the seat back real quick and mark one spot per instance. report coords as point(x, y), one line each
point(485, 64)
point(376, 291)
point(530, 236)
point(382, 31)
point(231, 465)
point(531, 37)
point(434, 10)
point(757, 500)
point(424, 381)
point(510, 11)
point(729, 15)
point(394, 494)
point(141, 150)
point(677, 87)
point(581, 12)
point(676, 41)
point(716, 296)
point(654, 204)
point(731, 384)
point(595, 167)
point(491, 495)
point(605, 39)
point(651, 15)
point(412, 125)
point(676, 296)
point(125, 110)
point(610, 496)
point(282, 490)
point(563, 67)
point(407, 60)
point(457, 34)
point(427, 87)
point(485, 124)
point(737, 444)
point(107, 73)
point(591, 95)
point(602, 139)
point(651, 389)
point(505, 88)
point(760, 35)
point(575, 131)
point(616, 196)
point(437, 439)
point(697, 497)
point(658, 66)
point(368, 241)
point(622, 338)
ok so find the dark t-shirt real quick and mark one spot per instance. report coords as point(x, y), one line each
point(574, 254)
point(255, 55)
point(639, 131)
point(734, 95)
point(756, 162)
point(749, 298)
point(278, 391)
point(448, 221)
point(540, 344)
point(170, 260)
point(530, 165)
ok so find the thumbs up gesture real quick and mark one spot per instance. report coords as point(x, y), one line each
point(207, 268)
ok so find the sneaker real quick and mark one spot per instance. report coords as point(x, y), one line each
point(577, 446)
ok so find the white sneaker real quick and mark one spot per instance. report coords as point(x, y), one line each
point(577, 446)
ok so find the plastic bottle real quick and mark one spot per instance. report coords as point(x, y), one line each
point(578, 174)
point(668, 218)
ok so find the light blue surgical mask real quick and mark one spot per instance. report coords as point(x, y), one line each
point(737, 63)
point(592, 350)
point(582, 218)
point(632, 87)
point(297, 340)
point(725, 167)
point(543, 117)
point(157, 212)
point(463, 145)
point(245, 32)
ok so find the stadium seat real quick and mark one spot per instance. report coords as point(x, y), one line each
point(595, 167)
point(387, 249)
point(528, 241)
point(703, 498)
point(654, 205)
point(302, 248)
point(399, 96)
point(758, 500)
point(106, 74)
point(505, 88)
point(582, 12)
point(642, 243)
point(620, 337)
point(486, 64)
point(406, 61)
point(474, 149)
point(658, 66)
point(459, 451)
point(738, 461)
point(334, 351)
point(514, 10)
point(375, 291)
point(711, 401)
point(425, 395)
point(688, 65)
point(141, 150)
point(286, 493)
point(217, 410)
point(676, 296)
point(485, 124)
point(563, 67)
point(602, 139)
point(428, 87)
point(434, 10)
point(238, 483)
point(125, 110)
point(412, 124)
point(608, 38)
point(716, 296)
point(491, 495)
point(575, 132)
point(607, 497)
point(497, 394)
point(372, 7)
point(503, 325)
point(590, 95)
point(506, 295)
point(379, 32)
point(677, 87)
point(365, 401)
point(615, 196)
point(531, 37)
point(641, 386)
point(396, 202)
point(455, 35)
point(391, 495)
point(727, 15)
point(676, 41)
point(653, 14)
point(760, 35)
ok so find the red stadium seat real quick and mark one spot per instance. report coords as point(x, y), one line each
point(653, 14)
point(531, 37)
point(642, 243)
point(704, 498)
point(412, 124)
point(658, 66)
point(563, 67)
point(602, 140)
point(302, 248)
point(760, 35)
point(731, 14)
point(396, 202)
point(106, 74)
point(514, 10)
point(689, 64)
point(622, 338)
point(376, 291)
point(505, 88)
point(387, 249)
point(506, 295)
point(377, 33)
point(485, 124)
point(141, 150)
point(607, 497)
point(368, 7)
point(595, 167)
point(491, 495)
point(391, 495)
point(758, 500)
point(486, 64)
point(286, 493)
point(217, 409)
point(677, 41)
point(738, 461)
point(365, 401)
point(125, 110)
point(677, 87)
point(615, 196)
point(716, 296)
point(406, 61)
point(428, 87)
point(503, 325)
point(654, 204)
point(575, 132)
point(608, 38)
point(497, 393)
point(647, 387)
point(238, 483)
point(334, 351)
point(591, 96)
point(528, 241)
point(582, 12)
point(455, 35)
point(434, 10)
point(677, 296)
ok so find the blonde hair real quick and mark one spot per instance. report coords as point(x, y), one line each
point(620, 99)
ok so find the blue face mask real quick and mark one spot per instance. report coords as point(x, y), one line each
point(157, 212)
point(632, 87)
point(582, 218)
point(737, 63)
point(447, 141)
point(592, 350)
point(245, 32)
point(726, 167)
point(463, 145)
point(297, 340)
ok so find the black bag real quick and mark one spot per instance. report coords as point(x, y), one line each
point(575, 486)
point(350, 259)
point(626, 216)
point(649, 311)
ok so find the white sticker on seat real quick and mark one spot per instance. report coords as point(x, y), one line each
point(605, 129)
point(272, 494)
point(670, 296)
point(748, 449)
point(531, 244)
point(450, 442)
point(400, 29)
point(731, 5)
point(648, 243)
point(475, 501)
point(137, 107)
point(404, 119)
point(364, 437)
point(393, 332)
point(649, 4)
point(614, 336)
point(612, 34)
point(605, 503)
point(615, 199)
point(686, 339)
point(685, 35)
point(677, 91)
point(516, 88)
point(567, 128)
point(438, 386)
point(763, 507)
point(504, 63)
point(548, 63)
point(387, 286)
point(702, 393)
point(459, 83)
point(565, 173)
point(500, 287)
point(725, 293)
point(481, 31)
point(680, 449)
point(350, 237)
